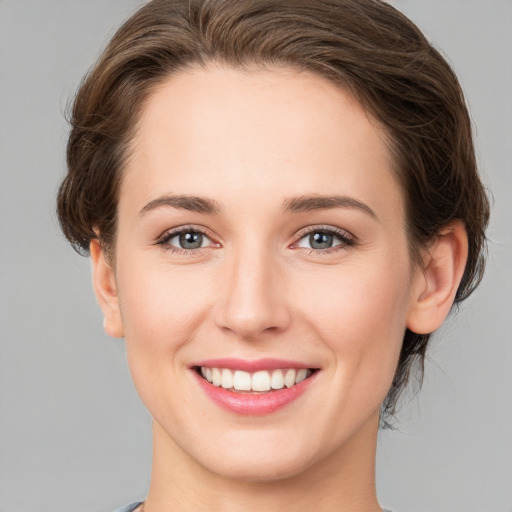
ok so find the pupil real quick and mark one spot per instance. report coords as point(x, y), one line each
point(191, 240)
point(320, 240)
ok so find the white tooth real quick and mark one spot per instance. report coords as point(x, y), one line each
point(242, 381)
point(227, 378)
point(261, 381)
point(203, 372)
point(289, 378)
point(301, 375)
point(216, 377)
point(208, 372)
point(277, 381)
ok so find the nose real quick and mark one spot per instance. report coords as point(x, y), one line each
point(254, 300)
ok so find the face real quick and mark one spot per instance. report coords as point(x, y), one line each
point(261, 242)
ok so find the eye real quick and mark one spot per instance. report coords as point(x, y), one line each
point(323, 239)
point(185, 240)
point(188, 240)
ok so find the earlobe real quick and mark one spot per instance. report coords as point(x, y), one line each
point(105, 288)
point(436, 283)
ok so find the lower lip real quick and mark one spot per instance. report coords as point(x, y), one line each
point(254, 404)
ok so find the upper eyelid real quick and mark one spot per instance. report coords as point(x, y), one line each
point(172, 232)
point(329, 229)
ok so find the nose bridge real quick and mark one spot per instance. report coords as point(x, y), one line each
point(253, 298)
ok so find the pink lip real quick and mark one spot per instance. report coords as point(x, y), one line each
point(254, 404)
point(251, 366)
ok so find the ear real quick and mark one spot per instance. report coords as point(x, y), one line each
point(437, 280)
point(105, 288)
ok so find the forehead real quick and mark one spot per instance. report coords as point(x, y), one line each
point(218, 130)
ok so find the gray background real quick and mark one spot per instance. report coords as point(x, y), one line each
point(73, 433)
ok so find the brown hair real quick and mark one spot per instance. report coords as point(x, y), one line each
point(364, 46)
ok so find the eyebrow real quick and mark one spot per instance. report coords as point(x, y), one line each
point(306, 203)
point(309, 203)
point(192, 203)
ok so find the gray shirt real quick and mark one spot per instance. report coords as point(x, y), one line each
point(132, 506)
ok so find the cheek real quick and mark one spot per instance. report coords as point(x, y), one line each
point(161, 309)
point(360, 314)
point(156, 297)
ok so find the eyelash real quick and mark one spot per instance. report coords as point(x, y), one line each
point(345, 239)
point(169, 235)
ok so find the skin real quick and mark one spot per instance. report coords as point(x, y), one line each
point(251, 141)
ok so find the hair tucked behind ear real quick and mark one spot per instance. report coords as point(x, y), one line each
point(364, 46)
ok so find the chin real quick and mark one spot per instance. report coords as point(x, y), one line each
point(258, 458)
point(265, 470)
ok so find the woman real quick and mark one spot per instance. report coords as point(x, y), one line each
point(281, 203)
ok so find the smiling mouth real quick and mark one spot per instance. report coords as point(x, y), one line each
point(263, 381)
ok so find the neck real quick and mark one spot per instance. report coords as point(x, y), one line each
point(344, 481)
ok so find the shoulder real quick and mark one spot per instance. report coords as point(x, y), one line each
point(129, 508)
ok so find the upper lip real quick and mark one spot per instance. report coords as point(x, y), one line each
point(251, 365)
